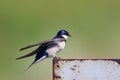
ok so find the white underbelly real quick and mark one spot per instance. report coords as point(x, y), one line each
point(52, 51)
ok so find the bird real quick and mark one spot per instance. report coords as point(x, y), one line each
point(47, 49)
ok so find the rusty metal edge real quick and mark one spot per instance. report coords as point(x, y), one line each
point(62, 59)
point(54, 61)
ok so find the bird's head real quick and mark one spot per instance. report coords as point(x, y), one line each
point(63, 33)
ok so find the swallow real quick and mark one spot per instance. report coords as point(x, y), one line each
point(48, 48)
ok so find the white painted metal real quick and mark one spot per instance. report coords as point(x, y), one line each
point(86, 69)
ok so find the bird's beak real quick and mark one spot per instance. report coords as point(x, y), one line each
point(70, 36)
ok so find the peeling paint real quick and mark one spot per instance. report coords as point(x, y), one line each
point(86, 69)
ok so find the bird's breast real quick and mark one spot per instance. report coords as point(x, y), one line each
point(53, 50)
point(61, 44)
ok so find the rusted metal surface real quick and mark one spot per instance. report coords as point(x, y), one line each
point(86, 69)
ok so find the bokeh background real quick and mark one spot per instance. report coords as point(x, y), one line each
point(93, 24)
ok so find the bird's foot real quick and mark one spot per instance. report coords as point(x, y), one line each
point(56, 58)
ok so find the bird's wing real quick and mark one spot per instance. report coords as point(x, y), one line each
point(29, 54)
point(41, 54)
point(42, 43)
point(32, 45)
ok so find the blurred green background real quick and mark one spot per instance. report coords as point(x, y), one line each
point(93, 24)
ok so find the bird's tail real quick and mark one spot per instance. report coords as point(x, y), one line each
point(29, 66)
point(36, 61)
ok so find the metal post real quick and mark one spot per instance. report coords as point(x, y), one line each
point(86, 69)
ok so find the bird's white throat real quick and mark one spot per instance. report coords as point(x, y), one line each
point(65, 36)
